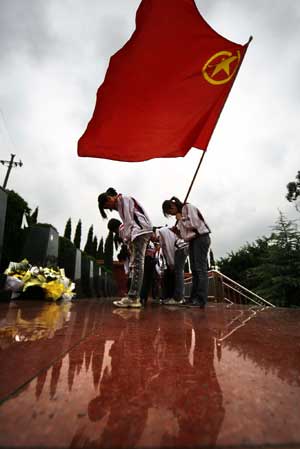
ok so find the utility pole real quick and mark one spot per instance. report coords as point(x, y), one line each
point(10, 164)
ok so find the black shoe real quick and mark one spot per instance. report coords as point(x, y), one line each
point(197, 304)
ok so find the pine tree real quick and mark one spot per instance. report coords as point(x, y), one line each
point(31, 218)
point(278, 274)
point(77, 237)
point(68, 229)
point(239, 265)
point(34, 215)
point(89, 243)
point(95, 244)
point(100, 251)
point(109, 251)
point(285, 233)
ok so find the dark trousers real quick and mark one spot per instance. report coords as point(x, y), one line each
point(199, 247)
point(148, 280)
point(180, 258)
point(156, 285)
point(168, 283)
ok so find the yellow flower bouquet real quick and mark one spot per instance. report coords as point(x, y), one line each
point(53, 281)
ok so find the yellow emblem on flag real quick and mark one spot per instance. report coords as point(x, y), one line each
point(221, 67)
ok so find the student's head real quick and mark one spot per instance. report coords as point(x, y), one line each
point(172, 206)
point(113, 225)
point(107, 200)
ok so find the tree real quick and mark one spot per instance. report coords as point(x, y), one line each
point(31, 218)
point(13, 238)
point(109, 251)
point(237, 265)
point(100, 251)
point(68, 229)
point(293, 189)
point(77, 237)
point(95, 244)
point(277, 276)
point(89, 243)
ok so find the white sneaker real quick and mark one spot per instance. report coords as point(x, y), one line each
point(184, 301)
point(128, 302)
point(171, 302)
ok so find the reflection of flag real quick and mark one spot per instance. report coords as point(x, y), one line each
point(165, 89)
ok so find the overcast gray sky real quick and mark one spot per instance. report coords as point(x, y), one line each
point(53, 57)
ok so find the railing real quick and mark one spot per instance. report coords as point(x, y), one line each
point(230, 326)
point(224, 289)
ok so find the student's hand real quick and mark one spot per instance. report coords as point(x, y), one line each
point(178, 216)
point(176, 231)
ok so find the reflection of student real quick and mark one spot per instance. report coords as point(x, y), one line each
point(165, 396)
point(137, 231)
point(186, 386)
point(121, 407)
point(204, 395)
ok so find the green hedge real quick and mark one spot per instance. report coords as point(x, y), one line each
point(13, 235)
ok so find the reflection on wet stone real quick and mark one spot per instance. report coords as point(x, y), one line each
point(97, 377)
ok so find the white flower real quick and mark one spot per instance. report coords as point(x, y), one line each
point(67, 296)
point(34, 271)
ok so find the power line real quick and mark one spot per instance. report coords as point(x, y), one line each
point(5, 128)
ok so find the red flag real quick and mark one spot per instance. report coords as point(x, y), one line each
point(165, 89)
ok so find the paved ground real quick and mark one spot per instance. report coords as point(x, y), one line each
point(86, 375)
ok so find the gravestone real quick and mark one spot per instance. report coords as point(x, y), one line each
point(69, 258)
point(97, 280)
point(87, 275)
point(77, 271)
point(41, 246)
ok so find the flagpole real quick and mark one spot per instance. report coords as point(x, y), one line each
point(195, 175)
point(202, 156)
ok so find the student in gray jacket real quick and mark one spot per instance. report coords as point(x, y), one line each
point(136, 231)
point(175, 251)
point(192, 228)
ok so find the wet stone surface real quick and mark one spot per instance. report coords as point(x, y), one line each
point(85, 374)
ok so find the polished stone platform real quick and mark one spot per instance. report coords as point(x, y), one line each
point(87, 375)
